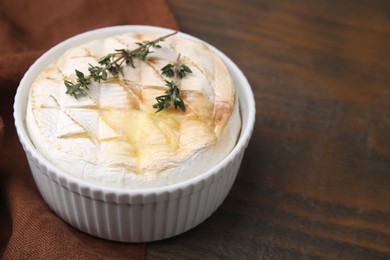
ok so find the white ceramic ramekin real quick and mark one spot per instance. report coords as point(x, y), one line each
point(136, 215)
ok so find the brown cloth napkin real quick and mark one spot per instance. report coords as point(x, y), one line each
point(28, 228)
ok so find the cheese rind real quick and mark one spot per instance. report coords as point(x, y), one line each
point(112, 135)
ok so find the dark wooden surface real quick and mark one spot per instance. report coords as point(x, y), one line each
point(315, 180)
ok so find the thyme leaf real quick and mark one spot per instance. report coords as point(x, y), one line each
point(111, 63)
point(175, 71)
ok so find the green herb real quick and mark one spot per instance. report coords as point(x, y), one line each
point(111, 63)
point(175, 71)
point(181, 70)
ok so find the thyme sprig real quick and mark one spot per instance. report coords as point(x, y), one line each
point(111, 63)
point(175, 71)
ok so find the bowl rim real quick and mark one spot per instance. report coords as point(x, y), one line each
point(75, 184)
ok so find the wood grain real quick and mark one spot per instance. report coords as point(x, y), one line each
point(1, 131)
point(315, 180)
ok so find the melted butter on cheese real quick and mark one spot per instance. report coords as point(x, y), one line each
point(113, 136)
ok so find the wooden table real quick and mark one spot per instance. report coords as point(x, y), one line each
point(315, 180)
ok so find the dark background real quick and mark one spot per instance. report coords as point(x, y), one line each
point(315, 180)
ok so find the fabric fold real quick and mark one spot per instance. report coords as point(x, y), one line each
point(28, 228)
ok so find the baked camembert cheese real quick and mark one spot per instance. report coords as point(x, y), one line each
point(113, 135)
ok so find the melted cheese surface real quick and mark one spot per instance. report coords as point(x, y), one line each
point(113, 136)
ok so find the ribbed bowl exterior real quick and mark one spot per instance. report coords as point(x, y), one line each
point(114, 216)
point(140, 215)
